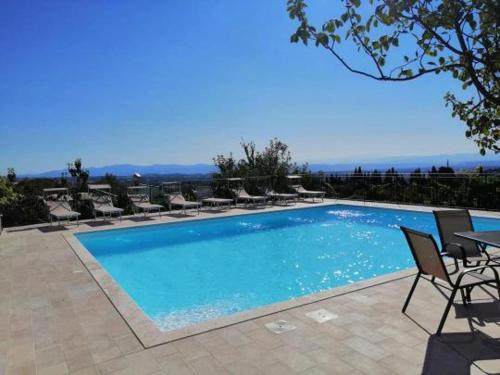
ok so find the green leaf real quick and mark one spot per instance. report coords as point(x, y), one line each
point(322, 38)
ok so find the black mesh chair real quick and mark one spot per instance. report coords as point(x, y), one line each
point(448, 223)
point(429, 262)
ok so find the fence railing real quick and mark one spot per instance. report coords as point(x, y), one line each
point(469, 191)
point(480, 191)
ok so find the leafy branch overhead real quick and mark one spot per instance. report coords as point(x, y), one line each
point(407, 39)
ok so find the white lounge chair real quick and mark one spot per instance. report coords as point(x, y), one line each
point(101, 198)
point(140, 202)
point(205, 195)
point(57, 201)
point(103, 204)
point(304, 193)
point(241, 195)
point(178, 200)
point(282, 198)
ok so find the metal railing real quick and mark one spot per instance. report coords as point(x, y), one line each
point(480, 191)
point(463, 190)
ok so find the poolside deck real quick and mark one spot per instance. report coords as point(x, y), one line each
point(55, 319)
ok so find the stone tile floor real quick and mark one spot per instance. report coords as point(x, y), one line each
point(54, 319)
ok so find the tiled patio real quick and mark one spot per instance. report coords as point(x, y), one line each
point(55, 319)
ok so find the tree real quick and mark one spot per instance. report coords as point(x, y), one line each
point(407, 39)
point(11, 175)
point(416, 176)
point(446, 170)
point(376, 177)
point(76, 170)
point(274, 160)
point(7, 193)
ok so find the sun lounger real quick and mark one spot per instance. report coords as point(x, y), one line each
point(103, 204)
point(304, 193)
point(429, 262)
point(60, 209)
point(140, 202)
point(280, 198)
point(178, 200)
point(448, 223)
point(241, 195)
point(205, 195)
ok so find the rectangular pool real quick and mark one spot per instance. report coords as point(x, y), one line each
point(186, 273)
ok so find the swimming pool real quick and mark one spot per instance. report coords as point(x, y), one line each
point(185, 273)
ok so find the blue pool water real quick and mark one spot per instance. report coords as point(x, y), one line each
point(185, 273)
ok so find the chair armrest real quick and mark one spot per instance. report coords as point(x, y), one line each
point(474, 269)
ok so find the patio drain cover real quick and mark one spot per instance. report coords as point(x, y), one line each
point(321, 315)
point(280, 326)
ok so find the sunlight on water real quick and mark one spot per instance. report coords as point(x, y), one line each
point(346, 213)
point(196, 314)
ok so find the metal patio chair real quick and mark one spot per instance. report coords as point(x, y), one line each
point(448, 223)
point(429, 262)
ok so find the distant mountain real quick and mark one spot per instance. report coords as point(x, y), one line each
point(402, 164)
point(130, 169)
point(456, 161)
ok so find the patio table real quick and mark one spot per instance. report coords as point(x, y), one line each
point(484, 238)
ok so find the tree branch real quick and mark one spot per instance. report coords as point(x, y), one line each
point(383, 77)
point(470, 69)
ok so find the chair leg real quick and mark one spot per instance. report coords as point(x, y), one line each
point(468, 292)
point(464, 297)
point(411, 292)
point(446, 311)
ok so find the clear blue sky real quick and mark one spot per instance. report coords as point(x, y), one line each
point(181, 81)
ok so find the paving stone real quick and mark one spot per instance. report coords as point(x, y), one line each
point(77, 359)
point(49, 357)
point(60, 369)
point(366, 348)
point(292, 358)
point(207, 365)
point(142, 363)
point(175, 365)
point(191, 349)
point(128, 344)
